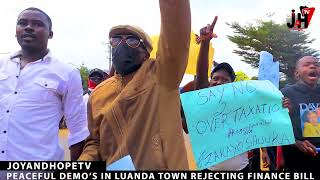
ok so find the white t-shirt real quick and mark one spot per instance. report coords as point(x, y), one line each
point(236, 163)
point(86, 99)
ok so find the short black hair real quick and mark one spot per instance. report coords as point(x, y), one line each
point(298, 61)
point(226, 67)
point(42, 12)
point(98, 72)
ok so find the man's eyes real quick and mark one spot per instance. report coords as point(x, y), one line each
point(25, 23)
point(22, 23)
point(38, 23)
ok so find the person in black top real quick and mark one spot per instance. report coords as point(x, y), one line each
point(305, 99)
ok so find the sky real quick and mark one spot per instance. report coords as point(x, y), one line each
point(81, 27)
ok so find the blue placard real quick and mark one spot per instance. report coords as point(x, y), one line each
point(268, 68)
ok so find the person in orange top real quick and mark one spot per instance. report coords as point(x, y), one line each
point(137, 111)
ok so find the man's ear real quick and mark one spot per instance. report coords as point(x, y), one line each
point(50, 35)
point(296, 75)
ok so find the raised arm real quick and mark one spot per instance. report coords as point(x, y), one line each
point(206, 34)
point(173, 51)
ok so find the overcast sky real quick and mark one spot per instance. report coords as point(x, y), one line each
point(81, 27)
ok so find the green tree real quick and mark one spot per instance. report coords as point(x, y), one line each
point(84, 72)
point(286, 46)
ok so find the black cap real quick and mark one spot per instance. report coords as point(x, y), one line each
point(226, 67)
point(97, 71)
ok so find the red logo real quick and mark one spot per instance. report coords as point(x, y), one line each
point(302, 21)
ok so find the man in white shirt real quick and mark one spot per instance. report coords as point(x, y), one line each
point(36, 91)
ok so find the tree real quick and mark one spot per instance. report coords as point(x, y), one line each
point(286, 46)
point(84, 72)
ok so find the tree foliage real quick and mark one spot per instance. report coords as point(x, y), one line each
point(286, 46)
point(84, 72)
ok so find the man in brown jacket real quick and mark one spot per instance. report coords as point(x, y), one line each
point(137, 111)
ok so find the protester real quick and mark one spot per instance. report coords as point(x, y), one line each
point(137, 111)
point(221, 74)
point(305, 97)
point(36, 91)
point(96, 76)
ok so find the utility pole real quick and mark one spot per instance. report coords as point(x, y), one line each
point(109, 52)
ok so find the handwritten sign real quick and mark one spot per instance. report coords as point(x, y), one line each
point(268, 69)
point(230, 119)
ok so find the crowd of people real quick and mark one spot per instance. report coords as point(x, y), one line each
point(135, 108)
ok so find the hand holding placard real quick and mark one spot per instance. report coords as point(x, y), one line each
point(230, 119)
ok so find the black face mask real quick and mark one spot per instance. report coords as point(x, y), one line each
point(124, 59)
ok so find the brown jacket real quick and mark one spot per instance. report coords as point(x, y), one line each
point(141, 117)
